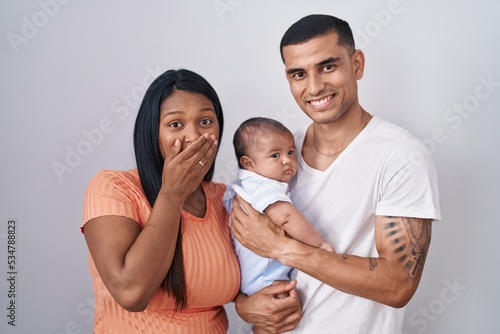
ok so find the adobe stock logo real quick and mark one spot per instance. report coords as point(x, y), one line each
point(381, 19)
point(453, 117)
point(437, 306)
point(30, 28)
point(283, 116)
point(224, 6)
point(84, 311)
point(121, 108)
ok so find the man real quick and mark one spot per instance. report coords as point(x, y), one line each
point(366, 184)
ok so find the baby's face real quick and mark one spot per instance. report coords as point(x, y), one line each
point(274, 156)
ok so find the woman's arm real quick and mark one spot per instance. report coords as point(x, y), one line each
point(133, 262)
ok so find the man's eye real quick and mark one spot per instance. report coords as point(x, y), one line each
point(328, 67)
point(298, 75)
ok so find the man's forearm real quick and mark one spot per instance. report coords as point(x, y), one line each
point(371, 278)
point(392, 278)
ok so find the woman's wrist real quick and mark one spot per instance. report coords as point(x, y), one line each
point(171, 197)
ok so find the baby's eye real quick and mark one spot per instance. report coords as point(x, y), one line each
point(275, 155)
point(291, 152)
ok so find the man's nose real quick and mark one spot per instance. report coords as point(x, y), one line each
point(314, 84)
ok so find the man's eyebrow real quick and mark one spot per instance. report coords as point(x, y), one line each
point(328, 61)
point(321, 63)
point(294, 70)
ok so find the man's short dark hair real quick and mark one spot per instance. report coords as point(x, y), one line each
point(316, 25)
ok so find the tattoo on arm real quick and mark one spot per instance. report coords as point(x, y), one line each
point(410, 239)
point(419, 233)
point(373, 263)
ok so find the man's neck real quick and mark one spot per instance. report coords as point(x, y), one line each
point(325, 142)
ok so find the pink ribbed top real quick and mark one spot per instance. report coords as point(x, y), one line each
point(210, 264)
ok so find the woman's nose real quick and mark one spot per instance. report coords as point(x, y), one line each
point(191, 133)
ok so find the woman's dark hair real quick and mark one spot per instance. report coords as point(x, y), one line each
point(252, 129)
point(149, 157)
point(316, 25)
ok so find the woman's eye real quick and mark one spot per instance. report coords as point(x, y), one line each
point(175, 124)
point(206, 121)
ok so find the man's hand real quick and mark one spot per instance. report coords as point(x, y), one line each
point(254, 230)
point(268, 314)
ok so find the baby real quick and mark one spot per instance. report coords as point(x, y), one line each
point(266, 155)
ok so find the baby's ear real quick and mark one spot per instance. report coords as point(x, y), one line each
point(247, 162)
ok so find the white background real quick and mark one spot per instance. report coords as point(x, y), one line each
point(74, 70)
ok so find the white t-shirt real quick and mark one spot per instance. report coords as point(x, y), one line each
point(384, 171)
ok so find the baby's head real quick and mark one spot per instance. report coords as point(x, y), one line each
point(266, 147)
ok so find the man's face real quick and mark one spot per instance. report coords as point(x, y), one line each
point(323, 77)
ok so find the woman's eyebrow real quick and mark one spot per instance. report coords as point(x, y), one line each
point(164, 113)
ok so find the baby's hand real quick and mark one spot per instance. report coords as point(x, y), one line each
point(326, 246)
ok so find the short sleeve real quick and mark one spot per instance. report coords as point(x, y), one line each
point(108, 194)
point(410, 184)
point(267, 193)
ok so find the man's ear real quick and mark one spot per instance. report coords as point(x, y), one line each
point(247, 163)
point(358, 61)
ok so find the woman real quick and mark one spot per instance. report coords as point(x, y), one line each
point(161, 257)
